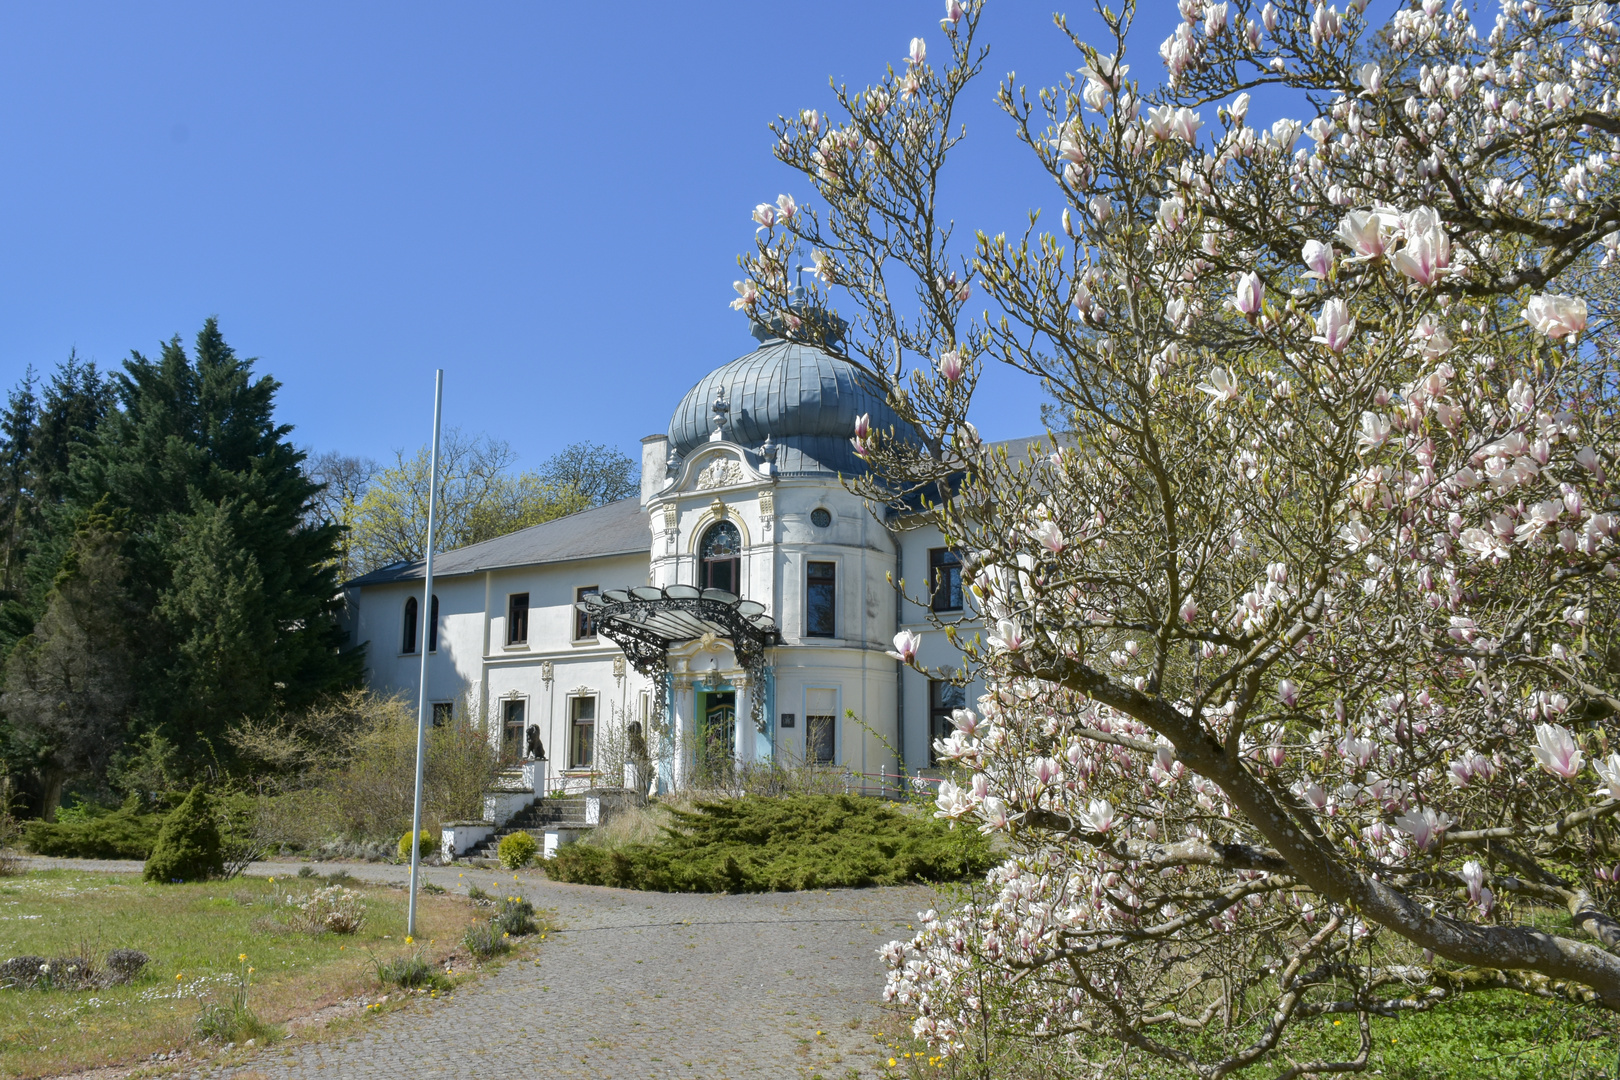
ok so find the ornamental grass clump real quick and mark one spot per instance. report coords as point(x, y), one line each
point(515, 916)
point(517, 850)
point(412, 971)
point(484, 941)
point(334, 909)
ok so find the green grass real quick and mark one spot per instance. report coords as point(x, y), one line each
point(196, 936)
point(1494, 1035)
point(760, 844)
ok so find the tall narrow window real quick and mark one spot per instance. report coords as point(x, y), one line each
point(820, 599)
point(945, 579)
point(944, 698)
point(820, 726)
point(720, 558)
point(512, 716)
point(412, 617)
point(584, 625)
point(517, 619)
point(433, 626)
point(582, 733)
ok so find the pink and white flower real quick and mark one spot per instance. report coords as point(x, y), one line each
point(1250, 295)
point(1424, 826)
point(905, 646)
point(951, 366)
point(1098, 816)
point(1555, 749)
point(1608, 770)
point(1334, 326)
point(1556, 316)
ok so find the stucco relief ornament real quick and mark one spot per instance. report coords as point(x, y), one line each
point(720, 473)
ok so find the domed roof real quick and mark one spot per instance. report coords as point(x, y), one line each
point(804, 399)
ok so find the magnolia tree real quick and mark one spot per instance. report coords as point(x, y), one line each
point(1302, 682)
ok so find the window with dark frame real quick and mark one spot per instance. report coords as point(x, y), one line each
point(443, 713)
point(517, 619)
point(820, 726)
point(820, 599)
point(720, 558)
point(433, 626)
point(581, 732)
point(584, 625)
point(945, 579)
point(412, 617)
point(513, 714)
point(944, 698)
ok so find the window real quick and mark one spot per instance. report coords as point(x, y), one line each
point(582, 732)
point(821, 517)
point(820, 604)
point(584, 625)
point(443, 713)
point(821, 726)
point(945, 579)
point(512, 714)
point(433, 626)
point(720, 558)
point(944, 698)
point(408, 645)
point(517, 619)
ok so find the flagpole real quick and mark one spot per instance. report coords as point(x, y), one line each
point(423, 639)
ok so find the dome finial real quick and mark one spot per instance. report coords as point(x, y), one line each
point(722, 411)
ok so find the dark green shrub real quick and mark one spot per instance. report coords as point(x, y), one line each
point(189, 847)
point(760, 844)
point(517, 850)
point(124, 833)
point(425, 845)
point(515, 916)
point(483, 940)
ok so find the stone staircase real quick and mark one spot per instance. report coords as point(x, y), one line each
point(554, 812)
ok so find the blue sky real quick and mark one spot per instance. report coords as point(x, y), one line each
point(547, 200)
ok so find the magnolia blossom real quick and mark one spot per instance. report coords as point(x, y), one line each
point(1424, 826)
point(1608, 770)
point(1426, 258)
point(905, 646)
point(1478, 894)
point(1556, 316)
point(1371, 78)
point(1334, 326)
point(1184, 125)
point(765, 214)
point(919, 51)
point(863, 435)
point(1318, 259)
point(1368, 233)
point(747, 294)
point(1189, 611)
point(1009, 637)
point(1098, 816)
point(954, 11)
point(1220, 386)
point(1250, 294)
point(951, 366)
point(1106, 70)
point(1556, 750)
point(1049, 536)
point(1288, 692)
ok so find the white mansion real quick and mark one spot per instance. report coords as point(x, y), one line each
point(741, 606)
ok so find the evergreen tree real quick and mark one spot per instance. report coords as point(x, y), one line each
point(68, 684)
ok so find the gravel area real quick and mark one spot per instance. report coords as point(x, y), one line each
point(636, 985)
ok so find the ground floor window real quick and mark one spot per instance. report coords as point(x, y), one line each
point(820, 726)
point(513, 714)
point(443, 713)
point(581, 732)
point(944, 698)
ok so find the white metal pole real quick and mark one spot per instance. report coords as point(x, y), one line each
point(423, 639)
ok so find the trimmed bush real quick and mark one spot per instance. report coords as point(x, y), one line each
point(762, 844)
point(189, 847)
point(124, 833)
point(425, 845)
point(517, 850)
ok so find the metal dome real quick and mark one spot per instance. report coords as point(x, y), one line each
point(804, 399)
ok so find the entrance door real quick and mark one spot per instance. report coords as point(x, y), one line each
point(512, 714)
point(720, 729)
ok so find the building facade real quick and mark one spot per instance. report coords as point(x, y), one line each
point(739, 611)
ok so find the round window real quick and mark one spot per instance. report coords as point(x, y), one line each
point(820, 517)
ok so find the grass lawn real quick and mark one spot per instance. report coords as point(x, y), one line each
point(195, 936)
point(1494, 1035)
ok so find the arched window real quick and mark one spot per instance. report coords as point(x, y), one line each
point(411, 618)
point(720, 558)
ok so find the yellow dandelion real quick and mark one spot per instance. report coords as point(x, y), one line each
point(1336, 1023)
point(177, 977)
point(891, 1060)
point(409, 940)
point(241, 958)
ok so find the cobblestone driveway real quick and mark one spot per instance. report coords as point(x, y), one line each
point(644, 985)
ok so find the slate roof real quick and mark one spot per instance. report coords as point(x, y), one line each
point(619, 528)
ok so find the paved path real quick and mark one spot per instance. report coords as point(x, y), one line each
point(641, 985)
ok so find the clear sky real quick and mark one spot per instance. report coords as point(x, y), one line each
point(545, 199)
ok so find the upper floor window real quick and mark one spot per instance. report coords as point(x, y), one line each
point(820, 599)
point(945, 579)
point(720, 558)
point(584, 625)
point(413, 617)
point(517, 619)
